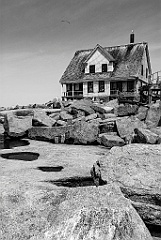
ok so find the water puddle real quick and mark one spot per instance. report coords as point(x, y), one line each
point(24, 156)
point(50, 169)
point(9, 144)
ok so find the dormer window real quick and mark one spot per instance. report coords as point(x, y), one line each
point(104, 67)
point(92, 69)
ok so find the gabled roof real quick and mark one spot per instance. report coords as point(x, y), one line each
point(127, 62)
point(103, 51)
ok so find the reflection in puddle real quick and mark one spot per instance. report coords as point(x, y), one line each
point(8, 144)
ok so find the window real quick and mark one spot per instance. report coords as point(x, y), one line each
point(104, 67)
point(76, 87)
point(69, 87)
point(130, 86)
point(142, 70)
point(101, 86)
point(92, 68)
point(90, 87)
point(146, 72)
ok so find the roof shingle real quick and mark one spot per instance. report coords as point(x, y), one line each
point(127, 63)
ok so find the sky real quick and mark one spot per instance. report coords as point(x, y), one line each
point(38, 39)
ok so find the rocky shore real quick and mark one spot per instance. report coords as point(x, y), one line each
point(84, 122)
point(54, 197)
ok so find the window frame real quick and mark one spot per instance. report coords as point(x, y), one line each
point(106, 68)
point(101, 88)
point(90, 87)
point(92, 68)
point(142, 70)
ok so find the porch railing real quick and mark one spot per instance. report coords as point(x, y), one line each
point(126, 93)
point(73, 94)
point(155, 78)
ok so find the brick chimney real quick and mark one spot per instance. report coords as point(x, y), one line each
point(132, 37)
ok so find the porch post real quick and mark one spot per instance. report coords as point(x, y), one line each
point(72, 89)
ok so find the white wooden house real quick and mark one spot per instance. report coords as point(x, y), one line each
point(102, 72)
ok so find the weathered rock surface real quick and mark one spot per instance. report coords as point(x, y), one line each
point(109, 140)
point(18, 122)
point(61, 123)
point(126, 125)
point(84, 132)
point(46, 133)
point(91, 117)
point(101, 108)
point(137, 170)
point(145, 136)
point(65, 116)
point(126, 110)
point(153, 115)
point(109, 115)
point(63, 205)
point(82, 105)
point(40, 118)
point(142, 113)
point(156, 130)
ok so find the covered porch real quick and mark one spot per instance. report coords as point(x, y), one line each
point(72, 91)
point(129, 88)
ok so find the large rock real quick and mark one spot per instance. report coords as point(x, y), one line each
point(145, 136)
point(46, 133)
point(91, 214)
point(83, 105)
point(65, 116)
point(18, 122)
point(40, 118)
point(157, 131)
point(55, 198)
point(108, 115)
point(84, 132)
point(153, 115)
point(126, 126)
point(126, 110)
point(100, 108)
point(109, 140)
point(142, 113)
point(91, 117)
point(137, 170)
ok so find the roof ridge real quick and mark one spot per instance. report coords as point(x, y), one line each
point(122, 45)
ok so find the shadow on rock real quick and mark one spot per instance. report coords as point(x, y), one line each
point(154, 230)
point(75, 182)
point(50, 169)
point(24, 156)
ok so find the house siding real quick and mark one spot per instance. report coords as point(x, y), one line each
point(98, 59)
point(144, 62)
point(95, 90)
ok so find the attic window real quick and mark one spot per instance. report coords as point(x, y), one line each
point(92, 68)
point(104, 67)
